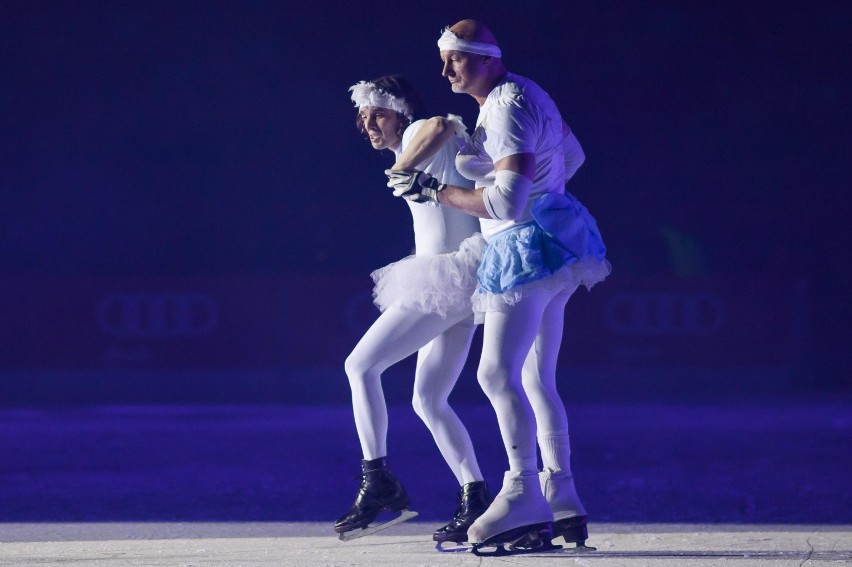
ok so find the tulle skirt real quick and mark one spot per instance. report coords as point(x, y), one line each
point(560, 250)
point(441, 284)
point(586, 272)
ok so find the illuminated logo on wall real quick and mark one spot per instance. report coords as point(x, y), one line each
point(157, 315)
point(665, 313)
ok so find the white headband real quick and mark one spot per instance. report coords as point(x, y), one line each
point(451, 42)
point(365, 93)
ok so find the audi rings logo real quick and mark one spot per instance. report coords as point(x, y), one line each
point(665, 313)
point(157, 315)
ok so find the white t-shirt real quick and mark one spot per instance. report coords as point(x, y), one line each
point(517, 117)
point(439, 229)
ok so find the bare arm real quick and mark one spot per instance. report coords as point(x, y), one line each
point(425, 143)
point(471, 202)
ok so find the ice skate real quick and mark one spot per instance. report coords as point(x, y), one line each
point(473, 501)
point(534, 538)
point(380, 490)
point(519, 518)
point(569, 515)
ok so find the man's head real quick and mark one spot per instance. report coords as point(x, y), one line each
point(386, 106)
point(472, 59)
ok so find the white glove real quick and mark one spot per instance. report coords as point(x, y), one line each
point(414, 185)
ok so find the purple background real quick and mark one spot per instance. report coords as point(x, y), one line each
point(209, 148)
point(215, 139)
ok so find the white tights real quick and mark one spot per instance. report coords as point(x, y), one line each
point(518, 374)
point(443, 345)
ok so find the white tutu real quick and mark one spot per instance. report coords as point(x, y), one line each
point(586, 272)
point(439, 284)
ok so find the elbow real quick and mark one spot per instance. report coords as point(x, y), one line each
point(438, 125)
point(501, 205)
point(507, 198)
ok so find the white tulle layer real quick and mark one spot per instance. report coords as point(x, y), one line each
point(586, 272)
point(439, 284)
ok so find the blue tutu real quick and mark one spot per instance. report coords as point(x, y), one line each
point(515, 257)
point(560, 250)
point(569, 226)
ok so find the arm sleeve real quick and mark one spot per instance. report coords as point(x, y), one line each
point(507, 198)
point(574, 155)
point(510, 129)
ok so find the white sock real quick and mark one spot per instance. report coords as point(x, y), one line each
point(555, 451)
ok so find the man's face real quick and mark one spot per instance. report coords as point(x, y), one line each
point(381, 126)
point(464, 70)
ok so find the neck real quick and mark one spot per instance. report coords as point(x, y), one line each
point(488, 86)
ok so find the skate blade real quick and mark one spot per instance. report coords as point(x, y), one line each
point(404, 516)
point(501, 550)
point(457, 547)
point(518, 541)
point(573, 530)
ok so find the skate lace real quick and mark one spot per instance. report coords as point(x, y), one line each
point(362, 489)
point(362, 480)
point(460, 510)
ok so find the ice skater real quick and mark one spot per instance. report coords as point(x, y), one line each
point(426, 308)
point(542, 245)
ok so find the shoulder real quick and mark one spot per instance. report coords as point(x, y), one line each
point(411, 130)
point(515, 88)
point(508, 92)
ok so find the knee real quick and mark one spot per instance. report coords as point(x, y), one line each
point(427, 405)
point(351, 367)
point(420, 406)
point(532, 383)
point(494, 380)
point(358, 371)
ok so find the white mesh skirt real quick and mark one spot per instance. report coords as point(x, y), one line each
point(440, 284)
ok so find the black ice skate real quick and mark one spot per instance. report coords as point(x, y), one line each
point(473, 501)
point(526, 539)
point(380, 490)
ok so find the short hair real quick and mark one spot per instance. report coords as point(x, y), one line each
point(398, 86)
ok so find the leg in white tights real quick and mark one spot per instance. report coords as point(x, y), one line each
point(438, 366)
point(539, 379)
point(539, 371)
point(507, 339)
point(395, 335)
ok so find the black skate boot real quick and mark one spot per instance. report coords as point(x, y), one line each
point(380, 490)
point(473, 501)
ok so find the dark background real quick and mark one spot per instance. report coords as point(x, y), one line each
point(206, 151)
point(146, 140)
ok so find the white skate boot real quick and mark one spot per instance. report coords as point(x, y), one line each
point(519, 518)
point(568, 512)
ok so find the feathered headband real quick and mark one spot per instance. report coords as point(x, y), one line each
point(365, 93)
